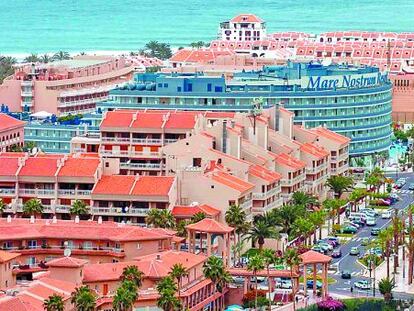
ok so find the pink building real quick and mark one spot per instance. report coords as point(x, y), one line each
point(11, 132)
point(63, 87)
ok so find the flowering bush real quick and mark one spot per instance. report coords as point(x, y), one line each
point(251, 294)
point(330, 304)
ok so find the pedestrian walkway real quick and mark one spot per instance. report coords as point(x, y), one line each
point(354, 273)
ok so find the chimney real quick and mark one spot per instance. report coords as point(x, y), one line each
point(76, 219)
point(100, 220)
point(54, 219)
point(9, 219)
point(32, 219)
point(158, 257)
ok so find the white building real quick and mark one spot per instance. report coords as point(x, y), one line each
point(243, 27)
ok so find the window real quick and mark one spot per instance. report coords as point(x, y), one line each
point(190, 87)
point(159, 84)
point(106, 164)
point(209, 87)
point(197, 162)
point(87, 245)
point(165, 85)
point(218, 89)
point(178, 88)
point(7, 245)
point(32, 244)
point(160, 245)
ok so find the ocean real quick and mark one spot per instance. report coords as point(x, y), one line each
point(41, 26)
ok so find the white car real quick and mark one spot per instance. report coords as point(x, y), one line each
point(386, 214)
point(371, 221)
point(362, 285)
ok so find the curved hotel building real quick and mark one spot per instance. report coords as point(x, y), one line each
point(353, 101)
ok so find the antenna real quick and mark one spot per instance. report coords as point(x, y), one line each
point(256, 111)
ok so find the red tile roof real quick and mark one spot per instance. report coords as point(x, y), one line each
point(39, 166)
point(290, 161)
point(246, 18)
point(314, 150)
point(181, 121)
point(154, 266)
point(219, 115)
point(264, 173)
point(232, 181)
point(7, 122)
point(148, 120)
point(153, 185)
point(84, 230)
point(322, 131)
point(314, 257)
point(79, 167)
point(6, 256)
point(210, 226)
point(67, 262)
point(8, 166)
point(189, 211)
point(117, 119)
point(114, 185)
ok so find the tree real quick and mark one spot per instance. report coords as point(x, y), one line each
point(333, 208)
point(286, 215)
point(125, 296)
point(178, 271)
point(160, 218)
point(181, 228)
point(356, 195)
point(317, 218)
point(32, 58)
point(237, 248)
point(292, 260)
point(384, 241)
point(198, 217)
point(197, 45)
point(83, 299)
point(255, 264)
point(61, 55)
point(167, 300)
point(302, 198)
point(236, 217)
point(6, 67)
point(133, 274)
point(79, 208)
point(32, 207)
point(269, 258)
point(215, 270)
point(54, 303)
point(385, 287)
point(303, 227)
point(260, 231)
point(410, 243)
point(2, 206)
point(338, 184)
point(45, 59)
point(159, 50)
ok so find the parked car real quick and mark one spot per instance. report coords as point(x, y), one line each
point(369, 213)
point(285, 284)
point(365, 241)
point(349, 229)
point(346, 274)
point(371, 221)
point(375, 231)
point(353, 224)
point(411, 186)
point(325, 246)
point(309, 284)
point(363, 284)
point(386, 214)
point(354, 251)
point(336, 253)
point(334, 239)
point(318, 249)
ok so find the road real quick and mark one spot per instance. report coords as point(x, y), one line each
point(349, 263)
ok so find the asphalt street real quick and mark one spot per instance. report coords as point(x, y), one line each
point(349, 263)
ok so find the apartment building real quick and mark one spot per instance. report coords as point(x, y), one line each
point(11, 132)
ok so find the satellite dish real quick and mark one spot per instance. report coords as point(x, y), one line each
point(67, 252)
point(327, 61)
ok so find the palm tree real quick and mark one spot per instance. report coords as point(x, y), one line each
point(160, 218)
point(237, 248)
point(333, 207)
point(159, 50)
point(339, 184)
point(269, 258)
point(198, 217)
point(318, 219)
point(83, 299)
point(54, 303)
point(45, 58)
point(303, 227)
point(181, 228)
point(133, 274)
point(410, 243)
point(302, 198)
point(125, 296)
point(79, 208)
point(260, 231)
point(385, 287)
point(2, 206)
point(384, 242)
point(32, 58)
point(215, 270)
point(178, 271)
point(356, 195)
point(167, 299)
point(255, 264)
point(397, 228)
point(286, 215)
point(61, 55)
point(236, 217)
point(32, 207)
point(6, 66)
point(292, 260)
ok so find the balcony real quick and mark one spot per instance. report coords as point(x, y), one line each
point(26, 93)
point(116, 139)
point(26, 103)
point(88, 101)
point(147, 141)
point(293, 181)
point(73, 192)
point(117, 211)
point(170, 140)
point(316, 181)
point(137, 154)
point(27, 83)
point(264, 195)
point(62, 208)
point(7, 191)
point(275, 204)
point(142, 166)
point(246, 204)
point(37, 192)
point(316, 169)
point(76, 250)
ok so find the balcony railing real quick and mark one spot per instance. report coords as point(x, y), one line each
point(142, 166)
point(115, 139)
point(27, 93)
point(73, 192)
point(264, 195)
point(316, 169)
point(147, 141)
point(62, 208)
point(119, 211)
point(37, 192)
point(246, 204)
point(144, 154)
point(293, 181)
point(87, 101)
point(316, 181)
point(7, 191)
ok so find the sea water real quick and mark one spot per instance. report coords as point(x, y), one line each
point(42, 26)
